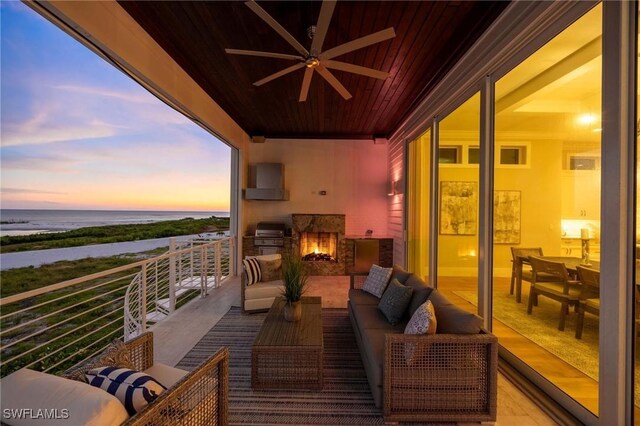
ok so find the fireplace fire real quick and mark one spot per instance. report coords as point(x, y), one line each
point(319, 246)
point(320, 242)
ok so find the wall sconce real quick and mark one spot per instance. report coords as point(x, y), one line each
point(395, 188)
point(392, 188)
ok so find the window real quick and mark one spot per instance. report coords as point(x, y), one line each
point(584, 163)
point(450, 155)
point(474, 154)
point(513, 155)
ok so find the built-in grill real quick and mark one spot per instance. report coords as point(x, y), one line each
point(269, 234)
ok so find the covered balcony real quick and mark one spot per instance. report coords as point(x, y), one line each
point(463, 141)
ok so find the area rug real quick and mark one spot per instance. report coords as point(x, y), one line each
point(541, 327)
point(345, 398)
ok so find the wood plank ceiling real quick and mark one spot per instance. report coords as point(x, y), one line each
point(430, 37)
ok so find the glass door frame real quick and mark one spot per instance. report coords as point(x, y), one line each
point(619, 54)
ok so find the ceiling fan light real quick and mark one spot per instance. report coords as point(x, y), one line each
point(312, 62)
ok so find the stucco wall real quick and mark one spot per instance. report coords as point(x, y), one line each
point(353, 173)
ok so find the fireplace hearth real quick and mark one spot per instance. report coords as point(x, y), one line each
point(320, 242)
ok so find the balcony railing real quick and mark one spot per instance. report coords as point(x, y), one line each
point(55, 327)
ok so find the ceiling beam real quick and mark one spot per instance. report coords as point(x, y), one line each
point(580, 57)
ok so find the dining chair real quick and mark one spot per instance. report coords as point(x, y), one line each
point(520, 269)
point(563, 289)
point(589, 297)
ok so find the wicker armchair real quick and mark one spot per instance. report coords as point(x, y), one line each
point(200, 398)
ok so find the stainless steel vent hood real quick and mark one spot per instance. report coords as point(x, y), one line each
point(266, 182)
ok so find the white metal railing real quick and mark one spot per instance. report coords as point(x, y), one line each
point(57, 326)
point(171, 279)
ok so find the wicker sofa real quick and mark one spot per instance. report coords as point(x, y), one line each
point(194, 398)
point(454, 378)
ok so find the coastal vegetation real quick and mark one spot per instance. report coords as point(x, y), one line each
point(113, 234)
point(19, 280)
point(71, 323)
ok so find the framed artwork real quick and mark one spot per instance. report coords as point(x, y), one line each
point(506, 217)
point(458, 208)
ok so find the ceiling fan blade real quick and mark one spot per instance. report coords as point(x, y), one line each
point(306, 82)
point(333, 81)
point(359, 43)
point(263, 54)
point(277, 27)
point(292, 68)
point(326, 12)
point(356, 69)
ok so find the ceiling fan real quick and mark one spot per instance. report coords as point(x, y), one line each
point(315, 59)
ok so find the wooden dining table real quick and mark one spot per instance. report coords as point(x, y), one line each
point(571, 263)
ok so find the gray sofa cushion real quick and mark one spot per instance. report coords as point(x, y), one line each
point(373, 342)
point(360, 297)
point(452, 319)
point(369, 317)
point(421, 292)
point(394, 301)
point(400, 274)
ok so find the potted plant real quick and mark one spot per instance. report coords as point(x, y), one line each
point(295, 282)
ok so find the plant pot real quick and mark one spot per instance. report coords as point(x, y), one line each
point(293, 311)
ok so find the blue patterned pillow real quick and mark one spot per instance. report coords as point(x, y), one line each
point(134, 389)
point(377, 280)
point(251, 268)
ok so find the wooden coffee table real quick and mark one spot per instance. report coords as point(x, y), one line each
point(288, 355)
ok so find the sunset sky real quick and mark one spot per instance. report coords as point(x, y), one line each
point(78, 134)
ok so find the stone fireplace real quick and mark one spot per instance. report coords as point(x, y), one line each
point(319, 240)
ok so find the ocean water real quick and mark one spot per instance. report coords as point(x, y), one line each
point(26, 222)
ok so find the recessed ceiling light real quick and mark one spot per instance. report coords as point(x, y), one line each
point(587, 119)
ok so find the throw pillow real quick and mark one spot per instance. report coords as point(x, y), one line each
point(115, 355)
point(252, 270)
point(394, 301)
point(134, 389)
point(271, 270)
point(377, 280)
point(423, 321)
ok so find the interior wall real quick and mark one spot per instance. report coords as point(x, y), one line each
point(353, 173)
point(540, 211)
point(540, 208)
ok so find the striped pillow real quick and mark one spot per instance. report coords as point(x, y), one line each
point(252, 269)
point(134, 389)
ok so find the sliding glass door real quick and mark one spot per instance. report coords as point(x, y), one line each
point(546, 203)
point(458, 201)
point(419, 159)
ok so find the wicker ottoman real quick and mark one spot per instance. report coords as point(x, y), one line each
point(288, 355)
